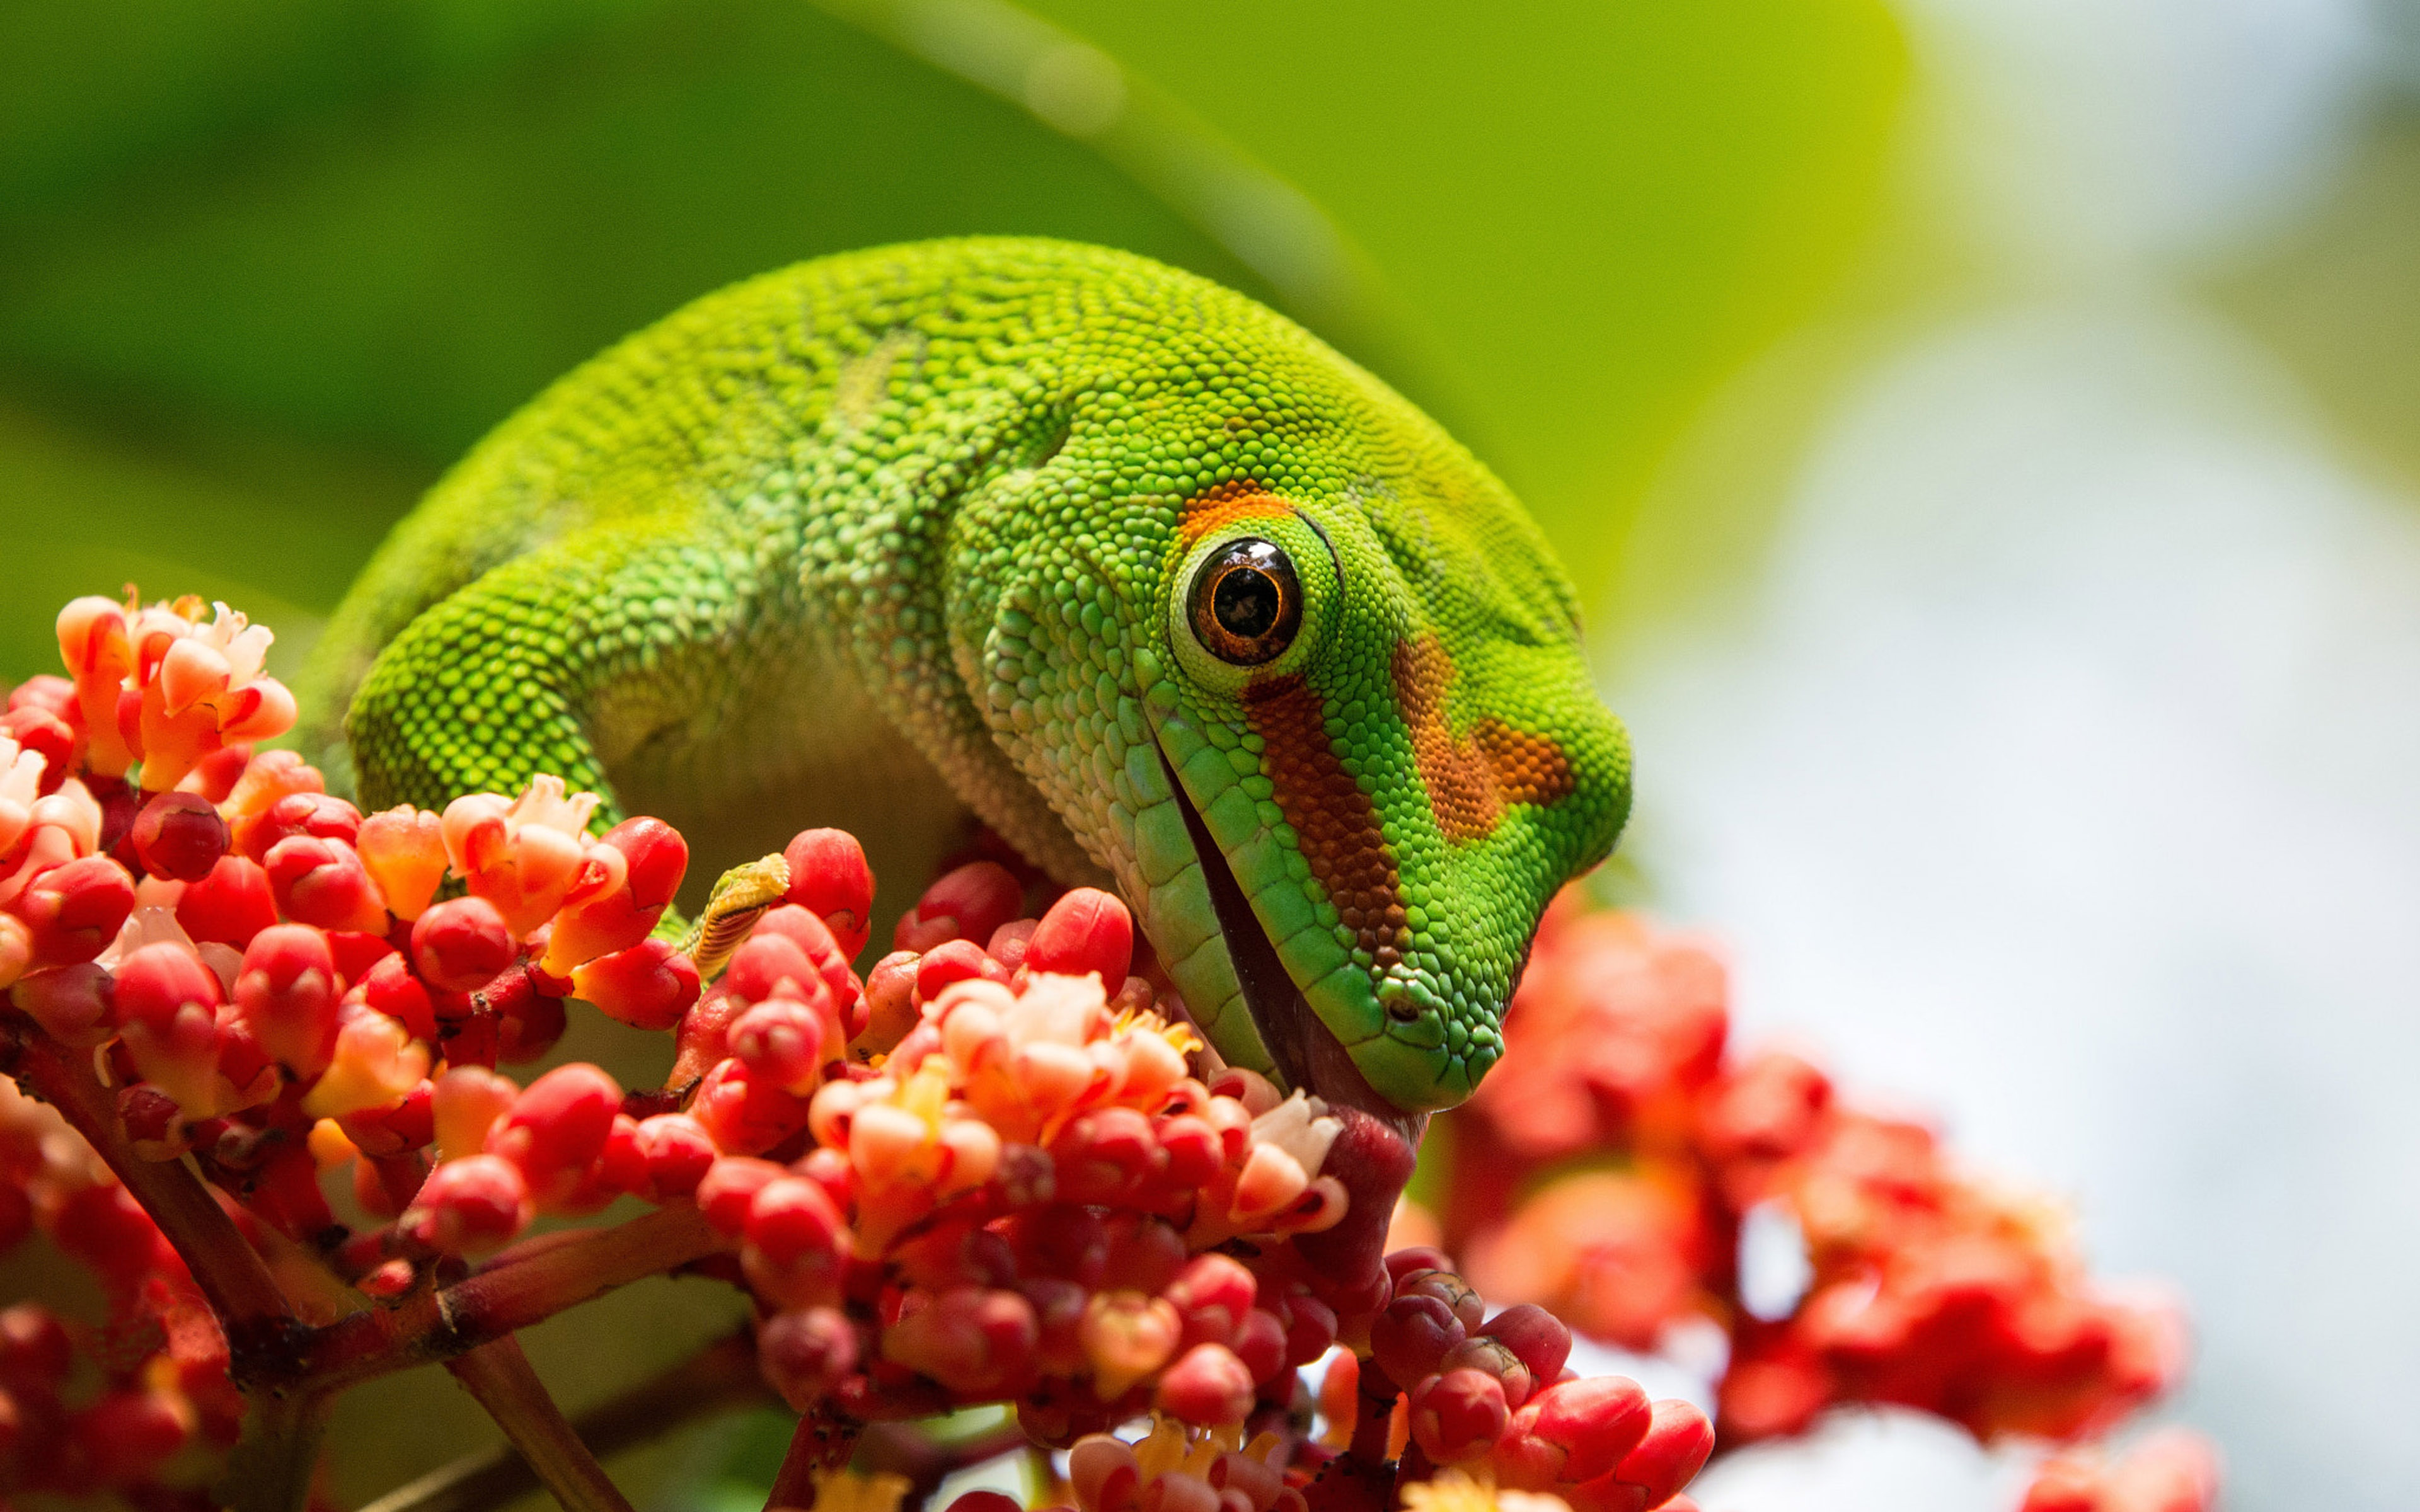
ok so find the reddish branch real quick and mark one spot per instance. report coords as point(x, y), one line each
point(258, 1322)
point(721, 1378)
point(824, 1440)
point(500, 1377)
point(525, 1285)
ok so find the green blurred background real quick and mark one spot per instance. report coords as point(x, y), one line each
point(268, 266)
point(1688, 275)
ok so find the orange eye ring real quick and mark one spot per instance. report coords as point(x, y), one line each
point(1246, 603)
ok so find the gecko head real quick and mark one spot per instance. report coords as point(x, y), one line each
point(1382, 755)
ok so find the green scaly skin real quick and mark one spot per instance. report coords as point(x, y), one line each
point(883, 535)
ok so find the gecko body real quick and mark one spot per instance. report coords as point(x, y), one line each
point(1171, 595)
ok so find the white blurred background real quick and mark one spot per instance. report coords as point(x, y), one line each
point(2056, 768)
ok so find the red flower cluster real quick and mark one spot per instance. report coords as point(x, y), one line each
point(997, 1168)
point(113, 1406)
point(1624, 1147)
point(2170, 1470)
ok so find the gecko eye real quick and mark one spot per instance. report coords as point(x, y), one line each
point(1247, 603)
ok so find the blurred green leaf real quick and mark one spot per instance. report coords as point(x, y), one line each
point(1595, 213)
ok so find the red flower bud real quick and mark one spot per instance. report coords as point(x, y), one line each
point(465, 1104)
point(1009, 943)
point(73, 912)
point(288, 996)
point(1410, 1338)
point(598, 924)
point(1207, 1386)
point(1458, 1415)
point(658, 857)
point(230, 906)
point(180, 836)
point(273, 775)
point(1260, 1342)
point(153, 1122)
point(410, 1124)
point(72, 1004)
point(528, 1025)
point(1211, 1296)
point(469, 1205)
point(829, 879)
point(1448, 1287)
point(390, 987)
point(105, 1228)
point(1676, 1446)
point(1140, 1254)
point(461, 944)
point(155, 982)
point(1107, 1156)
point(782, 1040)
point(1489, 1357)
point(1542, 1340)
point(891, 1005)
point(1596, 1422)
point(1085, 930)
point(1194, 1151)
point(744, 1113)
point(356, 953)
point(557, 1127)
point(797, 1243)
point(771, 963)
point(49, 735)
point(321, 880)
point(974, 1341)
point(622, 1166)
point(804, 1355)
point(675, 1153)
point(1311, 1329)
point(648, 986)
point(808, 933)
point(216, 774)
point(321, 815)
point(966, 905)
point(729, 1187)
point(955, 960)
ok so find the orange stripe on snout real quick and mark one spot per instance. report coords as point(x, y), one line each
point(1470, 779)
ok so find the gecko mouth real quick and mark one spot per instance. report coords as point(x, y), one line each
point(1307, 1053)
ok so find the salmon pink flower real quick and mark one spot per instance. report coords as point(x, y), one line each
point(93, 642)
point(626, 879)
point(403, 849)
point(20, 783)
point(522, 854)
point(376, 1062)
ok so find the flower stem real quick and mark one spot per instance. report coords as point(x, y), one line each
point(721, 1378)
point(525, 1285)
point(499, 1375)
point(271, 1468)
point(825, 1439)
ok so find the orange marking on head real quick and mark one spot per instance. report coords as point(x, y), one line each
point(1222, 506)
point(1334, 821)
point(1470, 777)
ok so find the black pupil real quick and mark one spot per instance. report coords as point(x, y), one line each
point(1247, 603)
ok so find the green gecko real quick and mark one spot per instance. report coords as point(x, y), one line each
point(1167, 591)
